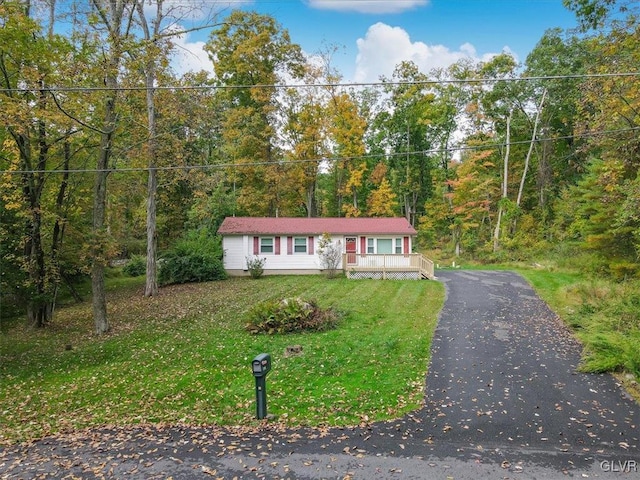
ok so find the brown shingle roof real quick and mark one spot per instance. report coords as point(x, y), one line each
point(315, 226)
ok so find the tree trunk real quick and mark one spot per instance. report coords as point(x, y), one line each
point(111, 14)
point(98, 253)
point(311, 205)
point(58, 227)
point(37, 311)
point(151, 285)
point(98, 249)
point(505, 180)
point(37, 305)
point(533, 139)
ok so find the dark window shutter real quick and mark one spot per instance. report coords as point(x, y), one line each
point(256, 245)
point(311, 246)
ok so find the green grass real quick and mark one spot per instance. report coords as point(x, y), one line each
point(604, 314)
point(184, 357)
point(554, 287)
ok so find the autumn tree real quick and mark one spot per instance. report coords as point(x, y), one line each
point(305, 137)
point(157, 24)
point(609, 117)
point(381, 201)
point(561, 156)
point(461, 211)
point(251, 53)
point(305, 128)
point(405, 132)
point(197, 114)
point(115, 20)
point(36, 137)
point(347, 166)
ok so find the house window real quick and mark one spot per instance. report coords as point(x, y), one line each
point(385, 245)
point(370, 246)
point(398, 245)
point(300, 245)
point(266, 245)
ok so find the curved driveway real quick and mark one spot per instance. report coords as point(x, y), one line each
point(503, 373)
point(504, 370)
point(503, 400)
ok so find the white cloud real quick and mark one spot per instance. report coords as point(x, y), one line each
point(384, 47)
point(189, 55)
point(367, 6)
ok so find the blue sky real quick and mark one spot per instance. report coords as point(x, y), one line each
point(372, 36)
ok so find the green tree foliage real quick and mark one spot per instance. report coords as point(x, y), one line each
point(253, 51)
point(305, 134)
point(36, 137)
point(192, 135)
point(347, 131)
point(561, 156)
point(136, 266)
point(406, 128)
point(593, 215)
point(608, 194)
point(195, 258)
point(596, 14)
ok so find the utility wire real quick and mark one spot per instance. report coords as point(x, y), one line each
point(322, 85)
point(285, 163)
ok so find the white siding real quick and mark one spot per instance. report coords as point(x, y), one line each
point(238, 247)
point(234, 248)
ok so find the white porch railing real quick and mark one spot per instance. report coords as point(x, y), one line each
point(389, 263)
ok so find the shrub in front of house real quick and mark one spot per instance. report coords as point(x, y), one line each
point(330, 255)
point(291, 315)
point(255, 265)
point(195, 258)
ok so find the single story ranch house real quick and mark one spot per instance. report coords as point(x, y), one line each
point(371, 247)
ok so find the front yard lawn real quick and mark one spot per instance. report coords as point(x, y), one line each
point(184, 357)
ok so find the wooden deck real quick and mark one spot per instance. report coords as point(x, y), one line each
point(387, 266)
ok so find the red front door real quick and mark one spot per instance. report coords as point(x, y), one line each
point(351, 249)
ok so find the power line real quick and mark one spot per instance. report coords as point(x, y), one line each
point(285, 163)
point(581, 76)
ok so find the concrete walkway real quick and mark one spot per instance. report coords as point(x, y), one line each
point(503, 400)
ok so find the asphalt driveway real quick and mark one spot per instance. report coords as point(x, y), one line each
point(503, 399)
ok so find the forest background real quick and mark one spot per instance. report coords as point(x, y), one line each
point(106, 153)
